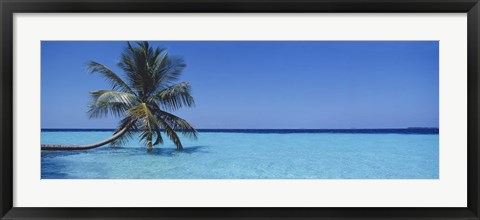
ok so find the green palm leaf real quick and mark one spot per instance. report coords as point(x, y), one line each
point(175, 97)
point(128, 135)
point(104, 102)
point(113, 78)
point(171, 134)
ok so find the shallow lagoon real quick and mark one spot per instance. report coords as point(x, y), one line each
point(251, 155)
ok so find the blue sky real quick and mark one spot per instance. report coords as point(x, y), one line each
point(264, 84)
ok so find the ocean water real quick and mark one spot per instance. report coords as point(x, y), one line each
point(251, 154)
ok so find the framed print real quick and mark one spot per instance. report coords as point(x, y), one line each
point(230, 109)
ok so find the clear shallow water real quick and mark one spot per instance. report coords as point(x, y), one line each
point(232, 155)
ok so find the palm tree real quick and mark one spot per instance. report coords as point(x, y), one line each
point(145, 98)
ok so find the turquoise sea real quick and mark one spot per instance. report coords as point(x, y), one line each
point(251, 154)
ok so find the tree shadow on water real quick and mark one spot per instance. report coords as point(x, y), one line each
point(59, 153)
point(170, 152)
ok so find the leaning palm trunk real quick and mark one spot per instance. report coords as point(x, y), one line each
point(84, 147)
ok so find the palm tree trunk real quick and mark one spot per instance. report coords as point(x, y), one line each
point(85, 147)
point(150, 146)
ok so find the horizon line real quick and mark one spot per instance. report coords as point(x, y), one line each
point(264, 128)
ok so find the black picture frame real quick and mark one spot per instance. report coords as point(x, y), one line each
point(9, 7)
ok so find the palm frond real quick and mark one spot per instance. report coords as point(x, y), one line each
point(113, 78)
point(159, 59)
point(104, 102)
point(128, 135)
point(115, 96)
point(172, 123)
point(178, 124)
point(170, 70)
point(147, 122)
point(140, 65)
point(131, 63)
point(158, 135)
point(175, 97)
point(171, 134)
